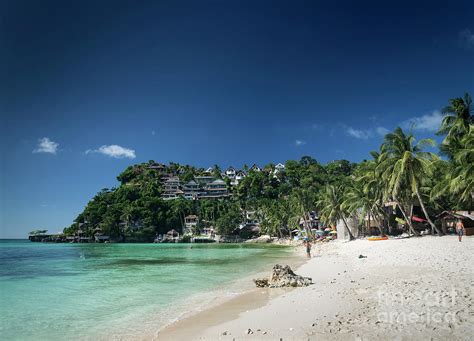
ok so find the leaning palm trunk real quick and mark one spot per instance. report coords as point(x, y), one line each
point(351, 236)
point(410, 226)
point(433, 226)
point(368, 228)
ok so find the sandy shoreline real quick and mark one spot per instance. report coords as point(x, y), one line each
point(233, 299)
point(418, 288)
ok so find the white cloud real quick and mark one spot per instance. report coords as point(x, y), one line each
point(358, 134)
point(429, 122)
point(382, 131)
point(114, 151)
point(299, 143)
point(365, 134)
point(45, 145)
point(466, 39)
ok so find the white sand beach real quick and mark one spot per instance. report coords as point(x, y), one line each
point(406, 289)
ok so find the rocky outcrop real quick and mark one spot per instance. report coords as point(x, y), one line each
point(283, 276)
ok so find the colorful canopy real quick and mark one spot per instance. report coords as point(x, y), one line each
point(418, 219)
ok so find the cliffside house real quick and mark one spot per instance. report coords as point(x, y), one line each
point(190, 223)
point(216, 189)
point(255, 168)
point(80, 236)
point(157, 166)
point(230, 172)
point(203, 180)
point(240, 175)
point(191, 190)
point(99, 236)
point(279, 168)
point(171, 188)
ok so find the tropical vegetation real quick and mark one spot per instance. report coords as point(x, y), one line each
point(404, 175)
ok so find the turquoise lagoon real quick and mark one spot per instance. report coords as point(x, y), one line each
point(103, 291)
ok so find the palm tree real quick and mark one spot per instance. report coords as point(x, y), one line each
point(374, 187)
point(331, 208)
point(458, 179)
point(359, 200)
point(459, 115)
point(301, 201)
point(404, 163)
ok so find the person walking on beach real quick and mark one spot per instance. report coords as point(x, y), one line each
point(460, 229)
point(308, 247)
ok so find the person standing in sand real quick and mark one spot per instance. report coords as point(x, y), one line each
point(308, 247)
point(460, 229)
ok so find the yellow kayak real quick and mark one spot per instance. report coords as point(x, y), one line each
point(372, 239)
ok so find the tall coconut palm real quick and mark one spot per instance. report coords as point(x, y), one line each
point(404, 163)
point(359, 200)
point(375, 188)
point(331, 208)
point(459, 115)
point(458, 177)
point(463, 176)
point(301, 202)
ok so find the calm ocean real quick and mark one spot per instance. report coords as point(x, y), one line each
point(93, 291)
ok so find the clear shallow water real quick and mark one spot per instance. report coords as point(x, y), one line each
point(88, 291)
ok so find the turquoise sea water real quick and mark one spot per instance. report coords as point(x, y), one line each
point(93, 291)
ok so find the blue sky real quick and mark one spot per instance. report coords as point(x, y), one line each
point(92, 87)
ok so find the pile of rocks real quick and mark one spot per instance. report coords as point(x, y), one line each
point(283, 276)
